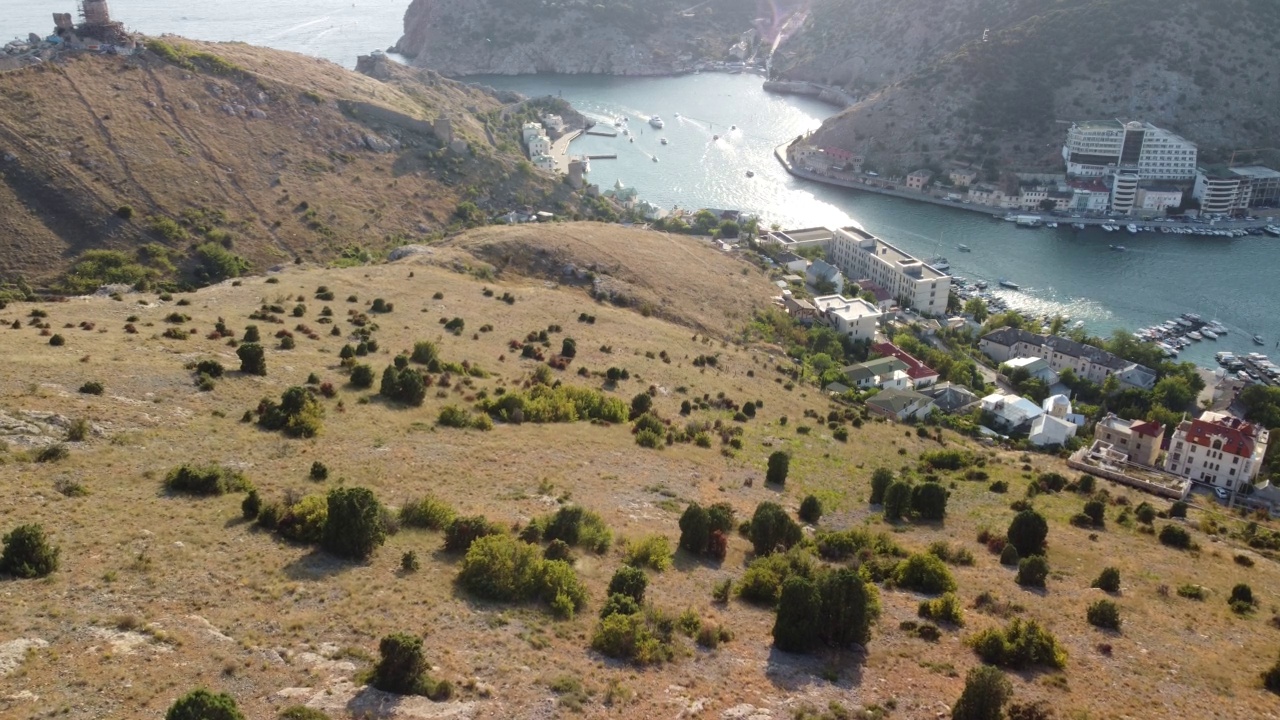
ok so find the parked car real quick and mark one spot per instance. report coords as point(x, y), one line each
point(1220, 492)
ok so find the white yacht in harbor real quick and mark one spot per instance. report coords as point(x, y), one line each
point(656, 121)
point(938, 263)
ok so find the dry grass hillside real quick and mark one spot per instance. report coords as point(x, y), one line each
point(994, 80)
point(158, 593)
point(269, 154)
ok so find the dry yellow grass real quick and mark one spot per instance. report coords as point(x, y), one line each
point(205, 599)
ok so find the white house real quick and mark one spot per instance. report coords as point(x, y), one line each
point(822, 271)
point(1036, 367)
point(1012, 412)
point(1217, 449)
point(530, 130)
point(854, 318)
point(885, 373)
point(1048, 430)
point(544, 162)
point(792, 262)
point(1086, 361)
point(539, 145)
point(901, 405)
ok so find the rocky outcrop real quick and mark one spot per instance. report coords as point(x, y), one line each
point(473, 37)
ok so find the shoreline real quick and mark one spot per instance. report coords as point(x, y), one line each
point(998, 213)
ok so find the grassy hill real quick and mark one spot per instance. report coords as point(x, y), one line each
point(251, 154)
point(935, 88)
point(158, 591)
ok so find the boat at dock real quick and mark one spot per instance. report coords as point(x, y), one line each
point(1208, 334)
point(1133, 229)
point(938, 263)
point(1077, 226)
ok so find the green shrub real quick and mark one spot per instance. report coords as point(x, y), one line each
point(1241, 600)
point(253, 359)
point(57, 340)
point(1104, 614)
point(212, 368)
point(319, 471)
point(557, 550)
point(948, 459)
point(428, 512)
point(251, 505)
point(216, 263)
point(1027, 533)
point(1271, 678)
point(1009, 555)
point(404, 385)
point(929, 501)
point(92, 387)
point(1020, 645)
point(762, 582)
point(203, 705)
point(797, 625)
point(619, 604)
point(652, 551)
point(811, 509)
point(1032, 571)
point(924, 573)
point(461, 532)
point(305, 520)
point(695, 528)
point(354, 527)
point(897, 501)
point(298, 414)
point(205, 480)
point(641, 404)
point(944, 609)
point(362, 375)
point(881, 479)
point(1175, 537)
point(629, 581)
point(52, 453)
point(1108, 580)
point(986, 690)
point(568, 347)
point(1096, 511)
point(639, 638)
point(499, 567)
point(425, 352)
point(562, 404)
point(578, 526)
point(401, 667)
point(1192, 592)
point(772, 529)
point(28, 553)
point(844, 544)
point(302, 712)
point(779, 463)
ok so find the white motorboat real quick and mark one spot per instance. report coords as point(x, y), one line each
point(1194, 335)
point(1209, 333)
point(656, 121)
point(938, 263)
point(1133, 229)
point(663, 141)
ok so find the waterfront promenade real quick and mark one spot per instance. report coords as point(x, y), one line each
point(863, 183)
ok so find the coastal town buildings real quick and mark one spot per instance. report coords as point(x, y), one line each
point(1100, 148)
point(1217, 449)
point(1086, 361)
point(854, 318)
point(887, 373)
point(861, 255)
point(963, 178)
point(921, 375)
point(1221, 192)
point(1010, 413)
point(821, 273)
point(919, 179)
point(1264, 184)
point(901, 405)
point(1138, 439)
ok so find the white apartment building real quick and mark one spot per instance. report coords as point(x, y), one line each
point(539, 145)
point(1124, 193)
point(855, 318)
point(1098, 148)
point(1217, 449)
point(530, 130)
point(863, 256)
point(1154, 199)
point(1222, 192)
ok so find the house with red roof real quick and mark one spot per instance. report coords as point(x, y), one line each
point(921, 375)
point(1217, 449)
point(1139, 439)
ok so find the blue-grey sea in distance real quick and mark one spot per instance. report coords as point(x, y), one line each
point(1060, 271)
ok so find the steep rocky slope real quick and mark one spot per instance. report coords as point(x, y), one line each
point(270, 155)
point(934, 87)
point(623, 37)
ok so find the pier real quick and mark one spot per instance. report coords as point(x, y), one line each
point(602, 157)
point(601, 133)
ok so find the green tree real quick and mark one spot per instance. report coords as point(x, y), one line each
point(253, 360)
point(695, 528)
point(881, 479)
point(849, 607)
point(897, 501)
point(811, 509)
point(1174, 393)
point(401, 665)
point(779, 462)
point(629, 581)
point(772, 529)
point(929, 501)
point(1027, 533)
point(28, 553)
point(203, 705)
point(986, 690)
point(797, 628)
point(354, 527)
point(976, 307)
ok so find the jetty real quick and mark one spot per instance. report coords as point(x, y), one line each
point(601, 133)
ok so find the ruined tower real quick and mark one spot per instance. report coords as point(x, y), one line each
point(95, 12)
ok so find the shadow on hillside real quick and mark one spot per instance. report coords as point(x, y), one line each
point(685, 561)
point(316, 565)
point(794, 673)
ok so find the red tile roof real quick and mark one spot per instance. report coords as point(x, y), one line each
point(1148, 428)
point(1237, 436)
point(915, 369)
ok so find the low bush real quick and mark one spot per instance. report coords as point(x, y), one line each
point(776, 472)
point(578, 527)
point(362, 376)
point(253, 359)
point(641, 638)
point(1175, 537)
point(1108, 580)
point(427, 512)
point(205, 480)
point(1271, 678)
point(461, 532)
point(944, 609)
point(1009, 555)
point(28, 553)
point(1104, 614)
point(203, 705)
point(1019, 645)
point(772, 530)
point(355, 524)
point(52, 453)
point(811, 509)
point(319, 471)
point(1242, 600)
point(93, 387)
point(629, 581)
point(924, 573)
point(651, 551)
point(500, 567)
point(1192, 592)
point(547, 404)
point(845, 544)
point(1033, 571)
point(762, 582)
point(403, 385)
point(298, 414)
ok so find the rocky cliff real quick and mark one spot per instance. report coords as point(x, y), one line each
point(624, 37)
point(996, 81)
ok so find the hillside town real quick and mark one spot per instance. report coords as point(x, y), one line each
point(1112, 170)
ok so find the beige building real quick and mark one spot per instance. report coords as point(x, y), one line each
point(919, 179)
point(1139, 439)
point(1222, 192)
point(863, 256)
point(1217, 449)
point(963, 178)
